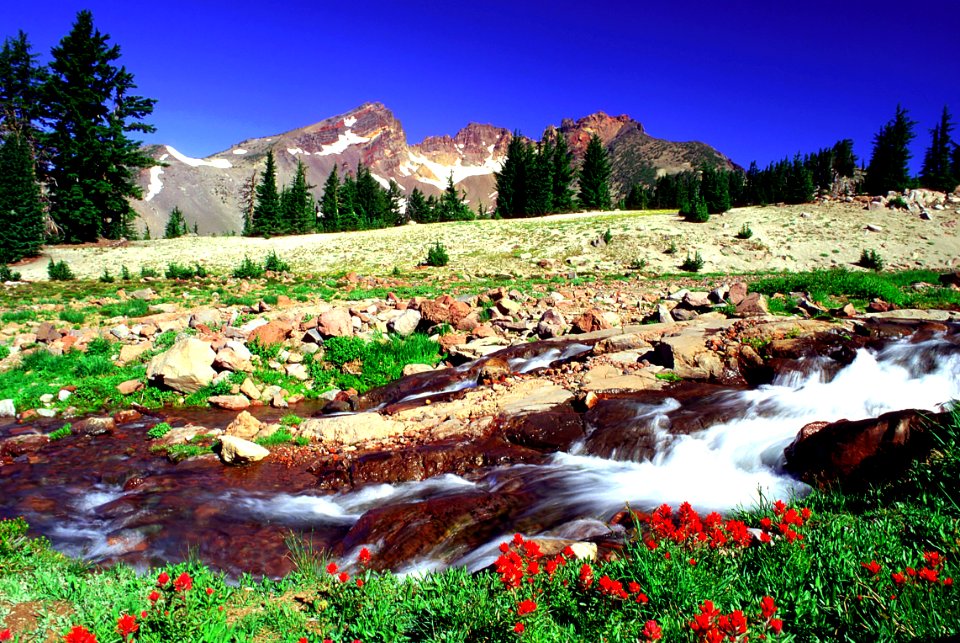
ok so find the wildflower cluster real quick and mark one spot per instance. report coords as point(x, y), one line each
point(712, 626)
point(925, 577)
point(522, 560)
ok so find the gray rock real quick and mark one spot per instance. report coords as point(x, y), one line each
point(406, 323)
point(7, 409)
point(186, 367)
point(234, 450)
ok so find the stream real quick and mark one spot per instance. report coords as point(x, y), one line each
point(108, 498)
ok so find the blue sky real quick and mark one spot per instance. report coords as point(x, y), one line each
point(757, 80)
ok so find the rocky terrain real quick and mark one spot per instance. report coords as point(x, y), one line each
point(208, 190)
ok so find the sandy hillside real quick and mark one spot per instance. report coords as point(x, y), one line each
point(784, 238)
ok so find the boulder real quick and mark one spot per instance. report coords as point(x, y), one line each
point(209, 317)
point(186, 367)
point(47, 333)
point(590, 321)
point(414, 369)
point(271, 333)
point(129, 386)
point(244, 426)
point(335, 322)
point(737, 293)
point(405, 323)
point(234, 450)
point(858, 453)
point(7, 409)
point(297, 371)
point(689, 357)
point(250, 389)
point(229, 402)
point(752, 305)
point(551, 324)
point(95, 426)
point(350, 429)
point(144, 294)
point(130, 353)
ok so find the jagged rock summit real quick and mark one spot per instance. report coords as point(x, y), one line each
point(209, 190)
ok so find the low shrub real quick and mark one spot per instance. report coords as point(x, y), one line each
point(159, 430)
point(897, 203)
point(148, 273)
point(671, 249)
point(870, 259)
point(18, 316)
point(106, 277)
point(59, 271)
point(273, 263)
point(176, 271)
point(8, 275)
point(607, 237)
point(125, 273)
point(745, 232)
point(248, 269)
point(692, 264)
point(437, 255)
point(61, 433)
point(72, 316)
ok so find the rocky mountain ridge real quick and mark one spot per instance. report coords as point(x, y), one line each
point(209, 190)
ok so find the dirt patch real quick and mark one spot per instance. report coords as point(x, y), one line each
point(793, 238)
point(24, 618)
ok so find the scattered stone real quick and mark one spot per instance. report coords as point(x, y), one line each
point(243, 426)
point(47, 333)
point(250, 389)
point(405, 323)
point(130, 353)
point(121, 331)
point(297, 371)
point(414, 369)
point(130, 386)
point(95, 426)
point(350, 429)
point(590, 321)
point(7, 409)
point(234, 450)
point(144, 294)
point(271, 333)
point(335, 322)
point(753, 305)
point(551, 324)
point(737, 293)
point(186, 367)
point(873, 228)
point(229, 402)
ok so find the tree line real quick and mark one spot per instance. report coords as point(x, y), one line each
point(67, 126)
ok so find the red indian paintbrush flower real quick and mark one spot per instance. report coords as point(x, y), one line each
point(6, 635)
point(767, 606)
point(154, 596)
point(127, 625)
point(364, 557)
point(163, 579)
point(183, 583)
point(526, 606)
point(79, 634)
point(332, 568)
point(873, 567)
point(518, 628)
point(652, 631)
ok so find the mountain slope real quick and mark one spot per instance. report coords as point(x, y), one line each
point(208, 191)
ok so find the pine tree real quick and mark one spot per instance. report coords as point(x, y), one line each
point(176, 225)
point(888, 163)
point(937, 173)
point(417, 207)
point(21, 214)
point(297, 207)
point(394, 215)
point(452, 207)
point(799, 188)
point(844, 160)
point(90, 110)
point(248, 201)
point(595, 177)
point(562, 175)
point(21, 84)
point(370, 204)
point(330, 202)
point(347, 205)
point(716, 191)
point(266, 213)
point(636, 198)
point(512, 179)
point(540, 183)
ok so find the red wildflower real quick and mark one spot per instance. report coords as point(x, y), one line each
point(933, 559)
point(525, 607)
point(633, 586)
point(504, 547)
point(209, 591)
point(551, 567)
point(518, 628)
point(533, 568)
point(364, 557)
point(127, 625)
point(667, 555)
point(873, 567)
point(531, 549)
point(779, 507)
point(766, 523)
point(517, 539)
point(767, 606)
point(911, 571)
point(568, 552)
point(332, 568)
point(302, 639)
point(183, 583)
point(693, 562)
point(776, 625)
point(6, 635)
point(948, 582)
point(898, 579)
point(765, 538)
point(79, 634)
point(652, 631)
point(586, 575)
point(163, 579)
point(143, 614)
point(642, 598)
point(359, 582)
point(927, 574)
point(805, 513)
point(154, 596)
point(343, 577)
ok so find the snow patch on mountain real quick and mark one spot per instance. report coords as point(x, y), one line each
point(296, 150)
point(344, 141)
point(350, 121)
point(441, 172)
point(155, 185)
point(239, 151)
point(222, 164)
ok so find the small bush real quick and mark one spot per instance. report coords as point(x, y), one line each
point(607, 237)
point(146, 273)
point(4, 351)
point(437, 255)
point(59, 271)
point(897, 203)
point(278, 437)
point(72, 316)
point(692, 264)
point(159, 430)
point(18, 316)
point(671, 249)
point(61, 433)
point(176, 271)
point(106, 277)
point(291, 419)
point(8, 275)
point(745, 232)
point(100, 346)
point(94, 366)
point(248, 269)
point(871, 259)
point(274, 263)
point(125, 273)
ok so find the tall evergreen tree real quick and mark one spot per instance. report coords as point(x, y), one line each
point(90, 111)
point(21, 214)
point(370, 205)
point(266, 213)
point(844, 160)
point(297, 207)
point(394, 214)
point(715, 189)
point(330, 202)
point(937, 172)
point(176, 225)
point(562, 175)
point(888, 162)
point(512, 179)
point(451, 206)
point(248, 201)
point(540, 183)
point(347, 206)
point(21, 85)
point(799, 188)
point(595, 177)
point(417, 209)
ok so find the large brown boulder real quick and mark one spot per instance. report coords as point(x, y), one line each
point(271, 333)
point(857, 453)
point(590, 321)
point(186, 367)
point(336, 322)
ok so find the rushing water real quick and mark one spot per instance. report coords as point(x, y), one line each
point(130, 505)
